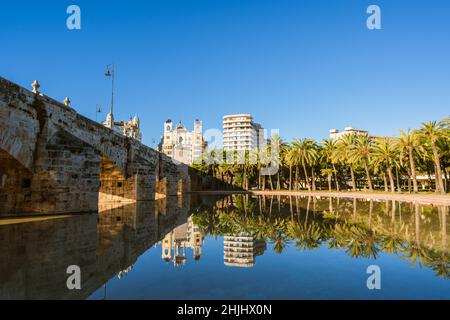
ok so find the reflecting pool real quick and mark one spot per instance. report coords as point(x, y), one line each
point(233, 247)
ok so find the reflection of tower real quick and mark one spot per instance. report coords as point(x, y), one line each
point(176, 242)
point(241, 250)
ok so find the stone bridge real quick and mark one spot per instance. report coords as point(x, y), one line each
point(54, 160)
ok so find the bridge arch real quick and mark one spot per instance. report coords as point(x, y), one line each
point(15, 185)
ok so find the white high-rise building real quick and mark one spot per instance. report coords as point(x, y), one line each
point(182, 145)
point(241, 133)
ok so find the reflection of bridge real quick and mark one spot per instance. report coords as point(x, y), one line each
point(34, 256)
point(54, 160)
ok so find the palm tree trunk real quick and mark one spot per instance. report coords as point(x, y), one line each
point(413, 169)
point(313, 179)
point(439, 183)
point(386, 188)
point(329, 182)
point(399, 187)
point(446, 180)
point(278, 180)
point(336, 181)
point(409, 179)
point(270, 182)
point(369, 179)
point(306, 176)
point(391, 179)
point(296, 178)
point(352, 174)
point(290, 177)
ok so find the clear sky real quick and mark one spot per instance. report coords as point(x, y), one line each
point(303, 67)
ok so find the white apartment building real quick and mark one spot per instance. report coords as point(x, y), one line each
point(182, 145)
point(336, 134)
point(241, 133)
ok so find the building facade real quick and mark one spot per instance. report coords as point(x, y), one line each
point(183, 145)
point(336, 134)
point(129, 128)
point(240, 133)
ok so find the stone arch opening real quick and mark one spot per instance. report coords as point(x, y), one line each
point(15, 185)
point(114, 186)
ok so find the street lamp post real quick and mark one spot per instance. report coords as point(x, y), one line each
point(110, 72)
point(97, 111)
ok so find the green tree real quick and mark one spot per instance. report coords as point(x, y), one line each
point(344, 146)
point(384, 153)
point(306, 151)
point(360, 152)
point(431, 132)
point(407, 144)
point(330, 155)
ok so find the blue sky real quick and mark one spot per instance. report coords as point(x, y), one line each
point(303, 67)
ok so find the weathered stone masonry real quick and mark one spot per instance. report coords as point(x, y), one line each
point(54, 160)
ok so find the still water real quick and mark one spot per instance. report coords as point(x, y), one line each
point(234, 247)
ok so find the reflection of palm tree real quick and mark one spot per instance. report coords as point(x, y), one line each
point(443, 211)
point(440, 263)
point(361, 237)
point(415, 253)
point(309, 236)
point(277, 234)
point(391, 244)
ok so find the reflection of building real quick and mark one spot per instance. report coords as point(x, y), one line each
point(176, 242)
point(127, 128)
point(241, 133)
point(336, 134)
point(242, 250)
point(124, 272)
point(182, 145)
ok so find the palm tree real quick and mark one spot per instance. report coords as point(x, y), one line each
point(430, 132)
point(330, 155)
point(305, 150)
point(407, 144)
point(344, 145)
point(384, 153)
point(291, 159)
point(360, 152)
